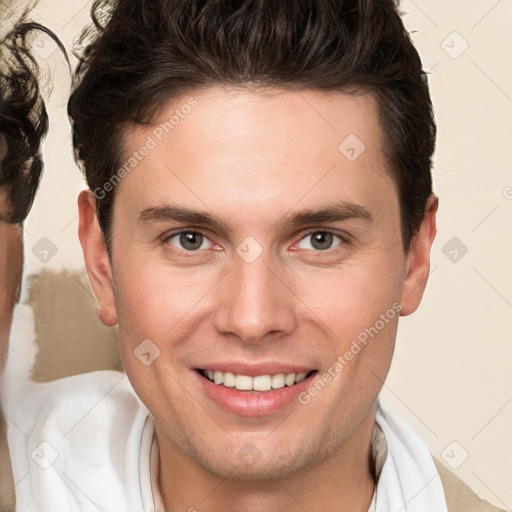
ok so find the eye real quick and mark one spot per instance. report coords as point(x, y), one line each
point(188, 241)
point(320, 241)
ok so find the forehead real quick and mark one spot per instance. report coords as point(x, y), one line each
point(313, 120)
point(258, 148)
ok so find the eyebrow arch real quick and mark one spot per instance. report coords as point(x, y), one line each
point(339, 211)
point(182, 214)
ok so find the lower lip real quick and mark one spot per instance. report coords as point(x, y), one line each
point(256, 403)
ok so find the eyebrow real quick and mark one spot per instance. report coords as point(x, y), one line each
point(339, 211)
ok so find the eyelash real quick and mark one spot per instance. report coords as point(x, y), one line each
point(343, 240)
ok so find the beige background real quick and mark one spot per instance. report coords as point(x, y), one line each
point(451, 377)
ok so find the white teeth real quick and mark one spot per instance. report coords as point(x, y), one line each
point(228, 379)
point(243, 383)
point(258, 383)
point(289, 380)
point(262, 383)
point(300, 377)
point(278, 380)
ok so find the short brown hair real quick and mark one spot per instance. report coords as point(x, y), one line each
point(148, 51)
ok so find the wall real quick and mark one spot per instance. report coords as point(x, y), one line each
point(451, 374)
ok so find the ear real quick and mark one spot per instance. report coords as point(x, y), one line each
point(96, 257)
point(417, 265)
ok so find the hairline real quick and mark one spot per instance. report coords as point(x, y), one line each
point(153, 108)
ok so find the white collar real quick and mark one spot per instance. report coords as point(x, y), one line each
point(149, 460)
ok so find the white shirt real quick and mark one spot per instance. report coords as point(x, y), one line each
point(149, 459)
point(86, 444)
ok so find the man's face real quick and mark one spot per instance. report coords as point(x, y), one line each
point(261, 290)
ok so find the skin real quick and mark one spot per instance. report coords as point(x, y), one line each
point(253, 158)
point(11, 262)
point(11, 258)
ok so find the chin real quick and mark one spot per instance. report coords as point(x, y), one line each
point(256, 471)
point(251, 463)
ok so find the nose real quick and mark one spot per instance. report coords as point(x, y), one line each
point(255, 302)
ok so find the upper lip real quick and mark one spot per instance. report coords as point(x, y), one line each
point(255, 369)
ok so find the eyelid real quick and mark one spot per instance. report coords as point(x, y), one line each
point(171, 234)
point(345, 237)
point(310, 231)
point(179, 231)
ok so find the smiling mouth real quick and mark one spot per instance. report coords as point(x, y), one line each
point(260, 383)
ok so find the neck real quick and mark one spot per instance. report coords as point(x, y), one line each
point(341, 482)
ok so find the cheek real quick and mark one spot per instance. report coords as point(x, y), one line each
point(352, 297)
point(11, 260)
point(153, 300)
point(357, 307)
